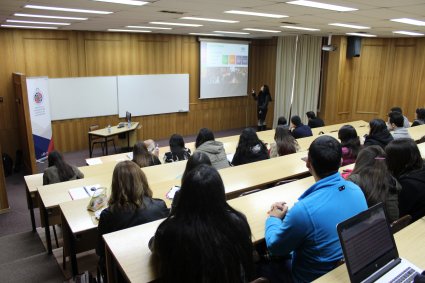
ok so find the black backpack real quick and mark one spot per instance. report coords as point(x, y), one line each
point(7, 164)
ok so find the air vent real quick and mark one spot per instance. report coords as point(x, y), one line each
point(172, 12)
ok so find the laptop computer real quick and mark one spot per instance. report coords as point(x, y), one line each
point(370, 251)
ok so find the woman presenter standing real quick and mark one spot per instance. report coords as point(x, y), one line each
point(263, 98)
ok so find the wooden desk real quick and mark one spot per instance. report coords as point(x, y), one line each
point(114, 130)
point(79, 221)
point(417, 132)
point(36, 180)
point(421, 147)
point(134, 258)
point(51, 196)
point(336, 127)
point(410, 244)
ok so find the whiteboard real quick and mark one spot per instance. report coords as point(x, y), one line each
point(153, 94)
point(83, 97)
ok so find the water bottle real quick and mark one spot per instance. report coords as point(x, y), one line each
point(156, 152)
point(109, 129)
point(129, 124)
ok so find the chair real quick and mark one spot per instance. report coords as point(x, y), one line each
point(400, 223)
point(100, 140)
point(260, 280)
point(285, 182)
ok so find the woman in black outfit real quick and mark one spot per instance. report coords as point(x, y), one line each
point(406, 164)
point(204, 239)
point(378, 134)
point(263, 98)
point(177, 151)
point(250, 148)
point(130, 204)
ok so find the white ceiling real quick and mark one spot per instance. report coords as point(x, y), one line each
point(373, 13)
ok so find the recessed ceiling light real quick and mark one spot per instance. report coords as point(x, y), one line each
point(49, 17)
point(300, 28)
point(67, 9)
point(126, 2)
point(175, 24)
point(32, 27)
point(319, 5)
point(127, 30)
point(38, 23)
point(361, 34)
point(209, 20)
point(147, 27)
point(262, 30)
point(257, 14)
point(409, 33)
point(349, 26)
point(205, 34)
point(409, 21)
point(231, 32)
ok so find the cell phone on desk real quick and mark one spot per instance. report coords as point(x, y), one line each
point(172, 192)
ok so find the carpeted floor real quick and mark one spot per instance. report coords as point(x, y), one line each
point(20, 245)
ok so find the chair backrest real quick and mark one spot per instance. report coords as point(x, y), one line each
point(260, 280)
point(400, 223)
point(285, 182)
point(93, 127)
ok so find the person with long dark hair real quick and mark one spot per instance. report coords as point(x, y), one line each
point(59, 171)
point(198, 158)
point(350, 143)
point(378, 134)
point(177, 151)
point(405, 162)
point(142, 157)
point(263, 98)
point(206, 143)
point(250, 148)
point(204, 239)
point(284, 143)
point(378, 185)
point(130, 204)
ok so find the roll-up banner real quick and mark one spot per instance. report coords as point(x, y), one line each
point(41, 122)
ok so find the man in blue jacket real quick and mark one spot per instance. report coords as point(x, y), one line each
point(308, 229)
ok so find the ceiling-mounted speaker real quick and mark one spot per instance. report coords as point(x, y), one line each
point(354, 45)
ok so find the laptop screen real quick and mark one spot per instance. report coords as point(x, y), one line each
point(367, 243)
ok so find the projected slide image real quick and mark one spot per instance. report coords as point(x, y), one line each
point(224, 69)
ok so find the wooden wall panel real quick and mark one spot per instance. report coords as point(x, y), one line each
point(80, 53)
point(389, 72)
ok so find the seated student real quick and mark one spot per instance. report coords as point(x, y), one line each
point(250, 148)
point(204, 239)
point(420, 117)
point(214, 149)
point(284, 143)
point(281, 121)
point(194, 161)
point(299, 130)
point(378, 185)
point(152, 148)
point(59, 171)
point(313, 121)
point(178, 151)
point(406, 123)
point(130, 204)
point(406, 164)
point(350, 143)
point(142, 157)
point(396, 126)
point(308, 228)
point(378, 134)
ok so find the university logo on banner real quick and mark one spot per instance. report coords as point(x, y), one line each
point(40, 116)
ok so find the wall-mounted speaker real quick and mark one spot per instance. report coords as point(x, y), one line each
point(354, 45)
